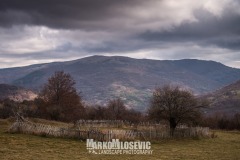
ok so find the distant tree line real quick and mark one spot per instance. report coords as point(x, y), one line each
point(171, 105)
point(59, 100)
point(37, 109)
point(115, 110)
point(222, 121)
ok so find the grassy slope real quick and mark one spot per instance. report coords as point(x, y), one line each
point(19, 146)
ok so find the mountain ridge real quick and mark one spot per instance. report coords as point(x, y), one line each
point(101, 78)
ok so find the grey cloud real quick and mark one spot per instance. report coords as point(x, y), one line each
point(65, 14)
point(221, 31)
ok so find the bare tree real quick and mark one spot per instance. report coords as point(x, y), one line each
point(116, 109)
point(174, 105)
point(61, 97)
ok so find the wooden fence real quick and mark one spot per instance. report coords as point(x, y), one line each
point(101, 123)
point(151, 133)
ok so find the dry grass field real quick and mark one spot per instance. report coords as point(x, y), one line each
point(225, 146)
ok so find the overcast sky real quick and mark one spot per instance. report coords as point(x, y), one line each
point(40, 31)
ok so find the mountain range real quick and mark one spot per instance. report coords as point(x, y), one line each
point(101, 78)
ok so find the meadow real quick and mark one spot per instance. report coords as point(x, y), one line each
point(226, 146)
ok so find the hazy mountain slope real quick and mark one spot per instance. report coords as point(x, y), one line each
point(225, 100)
point(101, 78)
point(210, 70)
point(15, 93)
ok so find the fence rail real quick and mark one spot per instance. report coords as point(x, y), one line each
point(150, 133)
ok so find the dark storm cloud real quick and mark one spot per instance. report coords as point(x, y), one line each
point(51, 30)
point(86, 14)
point(221, 31)
point(208, 30)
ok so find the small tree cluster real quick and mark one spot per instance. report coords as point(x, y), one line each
point(6, 108)
point(115, 110)
point(222, 121)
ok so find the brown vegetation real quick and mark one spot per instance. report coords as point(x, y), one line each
point(115, 110)
point(174, 105)
point(59, 98)
point(222, 121)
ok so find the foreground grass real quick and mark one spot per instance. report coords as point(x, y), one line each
point(23, 147)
